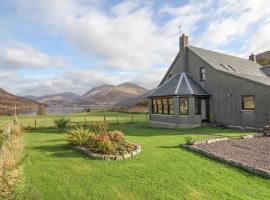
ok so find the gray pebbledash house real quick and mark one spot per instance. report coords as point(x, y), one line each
point(203, 85)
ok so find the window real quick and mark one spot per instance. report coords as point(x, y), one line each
point(159, 106)
point(154, 106)
point(248, 102)
point(162, 106)
point(198, 105)
point(202, 72)
point(183, 106)
point(170, 108)
point(165, 106)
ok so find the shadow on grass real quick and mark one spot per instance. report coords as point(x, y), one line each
point(58, 150)
point(169, 147)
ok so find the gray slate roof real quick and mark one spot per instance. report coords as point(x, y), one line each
point(181, 84)
point(243, 68)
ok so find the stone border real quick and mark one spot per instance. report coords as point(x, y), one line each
point(97, 156)
point(248, 168)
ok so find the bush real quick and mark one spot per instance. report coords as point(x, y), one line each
point(116, 135)
point(16, 129)
point(61, 123)
point(189, 140)
point(102, 144)
point(41, 111)
point(79, 136)
point(99, 127)
point(3, 138)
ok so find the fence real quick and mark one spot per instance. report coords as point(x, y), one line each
point(48, 121)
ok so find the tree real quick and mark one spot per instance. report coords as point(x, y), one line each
point(41, 110)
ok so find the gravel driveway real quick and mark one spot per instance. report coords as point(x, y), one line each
point(253, 151)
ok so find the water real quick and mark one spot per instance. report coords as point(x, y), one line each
point(55, 110)
point(59, 110)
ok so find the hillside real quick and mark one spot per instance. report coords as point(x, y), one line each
point(264, 59)
point(8, 101)
point(138, 103)
point(110, 94)
point(55, 99)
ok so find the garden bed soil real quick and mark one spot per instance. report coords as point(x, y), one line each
point(117, 156)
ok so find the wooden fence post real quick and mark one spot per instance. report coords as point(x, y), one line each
point(132, 119)
point(85, 121)
point(146, 118)
point(35, 123)
point(104, 118)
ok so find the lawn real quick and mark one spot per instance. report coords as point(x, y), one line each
point(77, 118)
point(162, 170)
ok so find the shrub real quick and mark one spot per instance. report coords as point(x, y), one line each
point(3, 138)
point(41, 111)
point(79, 136)
point(16, 129)
point(99, 127)
point(61, 123)
point(102, 144)
point(116, 135)
point(189, 140)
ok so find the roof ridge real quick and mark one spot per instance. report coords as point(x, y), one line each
point(223, 54)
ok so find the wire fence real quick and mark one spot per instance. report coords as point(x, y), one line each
point(48, 121)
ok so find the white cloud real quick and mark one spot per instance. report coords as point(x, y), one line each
point(19, 55)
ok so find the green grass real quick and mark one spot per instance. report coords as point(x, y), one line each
point(163, 170)
point(78, 118)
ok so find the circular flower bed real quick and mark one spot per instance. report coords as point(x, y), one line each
point(100, 143)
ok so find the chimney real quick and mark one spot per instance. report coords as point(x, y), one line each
point(252, 57)
point(183, 42)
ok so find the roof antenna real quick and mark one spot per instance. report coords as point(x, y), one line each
point(179, 29)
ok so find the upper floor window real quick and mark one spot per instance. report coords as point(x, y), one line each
point(202, 73)
point(183, 106)
point(248, 102)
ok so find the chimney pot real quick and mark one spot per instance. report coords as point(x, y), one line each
point(252, 57)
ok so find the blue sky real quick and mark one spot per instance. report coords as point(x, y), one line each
point(56, 46)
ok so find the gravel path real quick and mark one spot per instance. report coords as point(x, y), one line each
point(254, 151)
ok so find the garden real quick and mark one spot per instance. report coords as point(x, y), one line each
point(52, 169)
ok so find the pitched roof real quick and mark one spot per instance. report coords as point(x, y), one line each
point(181, 84)
point(240, 67)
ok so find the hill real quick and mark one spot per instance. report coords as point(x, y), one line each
point(8, 101)
point(55, 99)
point(110, 94)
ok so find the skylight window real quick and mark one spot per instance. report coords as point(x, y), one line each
point(224, 67)
point(231, 68)
point(228, 67)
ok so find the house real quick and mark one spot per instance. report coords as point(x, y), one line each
point(203, 85)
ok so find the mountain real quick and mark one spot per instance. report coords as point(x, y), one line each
point(138, 103)
point(55, 99)
point(110, 94)
point(8, 101)
point(264, 59)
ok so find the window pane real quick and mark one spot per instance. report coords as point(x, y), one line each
point(170, 107)
point(248, 102)
point(202, 73)
point(198, 106)
point(183, 106)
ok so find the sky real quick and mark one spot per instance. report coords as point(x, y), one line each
point(56, 46)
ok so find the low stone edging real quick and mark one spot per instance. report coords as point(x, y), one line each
point(108, 157)
point(248, 168)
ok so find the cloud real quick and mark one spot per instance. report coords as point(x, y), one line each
point(233, 21)
point(19, 55)
point(128, 39)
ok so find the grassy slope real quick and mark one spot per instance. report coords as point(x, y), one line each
point(162, 171)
